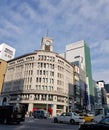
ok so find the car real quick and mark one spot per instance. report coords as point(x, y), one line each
point(68, 117)
point(87, 117)
point(40, 113)
point(102, 124)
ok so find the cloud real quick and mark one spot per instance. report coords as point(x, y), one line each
point(11, 27)
point(24, 22)
point(99, 60)
point(100, 48)
point(101, 75)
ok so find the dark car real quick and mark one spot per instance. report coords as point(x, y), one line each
point(40, 114)
point(103, 124)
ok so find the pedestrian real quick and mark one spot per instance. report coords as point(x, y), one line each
point(30, 113)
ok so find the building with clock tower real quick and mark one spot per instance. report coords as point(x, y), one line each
point(39, 80)
point(47, 44)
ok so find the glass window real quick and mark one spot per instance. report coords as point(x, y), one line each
point(68, 114)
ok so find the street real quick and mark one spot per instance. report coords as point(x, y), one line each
point(36, 124)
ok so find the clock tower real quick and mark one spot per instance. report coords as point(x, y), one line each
point(47, 44)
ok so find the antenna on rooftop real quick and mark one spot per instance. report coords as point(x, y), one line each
point(47, 32)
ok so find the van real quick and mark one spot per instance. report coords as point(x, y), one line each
point(40, 114)
point(12, 113)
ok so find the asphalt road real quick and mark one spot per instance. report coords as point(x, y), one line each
point(38, 124)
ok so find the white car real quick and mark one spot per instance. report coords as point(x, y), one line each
point(69, 117)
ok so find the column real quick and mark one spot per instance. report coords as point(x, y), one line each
point(30, 107)
point(54, 110)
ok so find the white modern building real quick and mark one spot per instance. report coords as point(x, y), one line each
point(78, 53)
point(6, 52)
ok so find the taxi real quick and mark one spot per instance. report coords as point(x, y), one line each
point(88, 117)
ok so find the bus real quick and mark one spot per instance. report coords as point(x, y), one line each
point(12, 113)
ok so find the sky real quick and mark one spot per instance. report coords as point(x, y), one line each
point(23, 23)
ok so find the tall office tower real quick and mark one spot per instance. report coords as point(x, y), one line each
point(6, 52)
point(79, 54)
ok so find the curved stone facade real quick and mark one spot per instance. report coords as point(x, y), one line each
point(39, 80)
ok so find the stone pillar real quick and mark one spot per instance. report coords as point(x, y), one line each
point(40, 96)
point(64, 110)
point(30, 107)
point(54, 110)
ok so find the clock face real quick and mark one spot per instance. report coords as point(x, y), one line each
point(47, 43)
